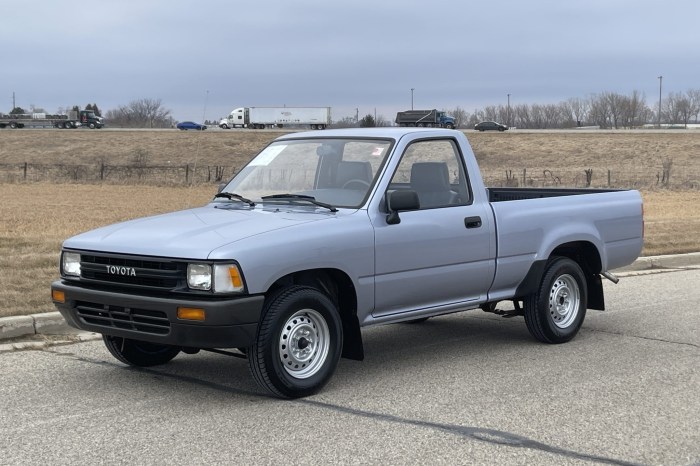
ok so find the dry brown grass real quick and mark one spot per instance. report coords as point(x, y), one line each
point(119, 147)
point(36, 218)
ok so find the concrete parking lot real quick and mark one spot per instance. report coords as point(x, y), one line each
point(469, 388)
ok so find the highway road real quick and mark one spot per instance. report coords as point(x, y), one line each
point(469, 388)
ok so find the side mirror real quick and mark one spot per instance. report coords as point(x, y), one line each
point(400, 200)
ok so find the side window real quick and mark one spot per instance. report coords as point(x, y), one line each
point(433, 169)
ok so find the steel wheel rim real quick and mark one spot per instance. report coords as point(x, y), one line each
point(564, 301)
point(304, 344)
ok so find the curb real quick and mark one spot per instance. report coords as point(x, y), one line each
point(53, 323)
point(672, 261)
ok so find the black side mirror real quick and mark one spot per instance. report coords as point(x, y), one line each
point(400, 200)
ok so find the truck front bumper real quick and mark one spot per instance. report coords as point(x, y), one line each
point(228, 323)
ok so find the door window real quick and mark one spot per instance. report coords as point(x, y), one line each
point(434, 170)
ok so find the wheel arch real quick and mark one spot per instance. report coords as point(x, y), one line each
point(586, 255)
point(338, 286)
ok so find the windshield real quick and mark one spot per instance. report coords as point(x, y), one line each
point(338, 172)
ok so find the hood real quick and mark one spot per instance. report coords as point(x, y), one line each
point(192, 233)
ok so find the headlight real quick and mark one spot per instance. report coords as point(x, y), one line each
point(71, 263)
point(219, 278)
point(199, 276)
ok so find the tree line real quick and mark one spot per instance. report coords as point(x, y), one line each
point(605, 110)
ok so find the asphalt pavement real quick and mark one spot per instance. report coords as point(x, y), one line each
point(468, 388)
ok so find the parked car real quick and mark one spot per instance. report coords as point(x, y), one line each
point(490, 126)
point(185, 125)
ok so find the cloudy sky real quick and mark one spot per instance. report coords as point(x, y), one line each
point(204, 58)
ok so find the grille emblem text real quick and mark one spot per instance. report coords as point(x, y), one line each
point(114, 270)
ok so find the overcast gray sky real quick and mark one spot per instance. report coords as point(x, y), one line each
point(204, 58)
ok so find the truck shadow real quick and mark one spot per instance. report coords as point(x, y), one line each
point(394, 349)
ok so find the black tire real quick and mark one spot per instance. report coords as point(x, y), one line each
point(139, 353)
point(450, 126)
point(282, 360)
point(555, 313)
point(13, 125)
point(91, 125)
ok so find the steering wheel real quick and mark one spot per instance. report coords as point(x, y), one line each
point(362, 183)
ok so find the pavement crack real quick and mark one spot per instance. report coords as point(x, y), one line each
point(491, 436)
point(642, 337)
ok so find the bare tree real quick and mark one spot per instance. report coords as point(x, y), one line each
point(599, 113)
point(141, 113)
point(460, 115)
point(694, 97)
point(676, 108)
point(578, 109)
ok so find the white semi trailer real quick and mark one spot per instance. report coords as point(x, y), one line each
point(277, 117)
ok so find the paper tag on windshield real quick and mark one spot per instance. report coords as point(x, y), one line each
point(266, 157)
point(378, 151)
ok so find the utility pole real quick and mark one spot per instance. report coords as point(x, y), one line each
point(412, 89)
point(508, 113)
point(357, 115)
point(661, 78)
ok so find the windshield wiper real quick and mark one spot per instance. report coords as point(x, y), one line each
point(299, 197)
point(233, 196)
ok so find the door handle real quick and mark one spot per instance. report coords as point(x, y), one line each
point(472, 222)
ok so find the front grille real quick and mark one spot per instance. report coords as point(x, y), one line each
point(133, 271)
point(139, 320)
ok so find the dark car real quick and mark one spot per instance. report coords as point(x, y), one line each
point(185, 125)
point(490, 126)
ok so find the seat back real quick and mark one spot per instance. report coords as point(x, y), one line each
point(431, 180)
point(352, 170)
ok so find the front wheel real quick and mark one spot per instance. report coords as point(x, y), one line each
point(299, 342)
point(450, 126)
point(555, 312)
point(139, 353)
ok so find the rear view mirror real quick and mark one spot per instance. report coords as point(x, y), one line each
point(400, 200)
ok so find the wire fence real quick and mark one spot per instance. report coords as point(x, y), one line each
point(119, 174)
point(196, 174)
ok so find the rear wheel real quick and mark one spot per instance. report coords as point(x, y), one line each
point(139, 353)
point(299, 342)
point(555, 313)
point(13, 125)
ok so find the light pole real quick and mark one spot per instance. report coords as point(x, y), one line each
point(508, 113)
point(661, 78)
point(412, 89)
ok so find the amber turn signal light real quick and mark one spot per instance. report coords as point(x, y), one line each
point(190, 313)
point(58, 296)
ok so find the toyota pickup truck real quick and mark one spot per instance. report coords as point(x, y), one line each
point(323, 233)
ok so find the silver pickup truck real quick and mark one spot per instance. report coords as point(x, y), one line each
point(323, 233)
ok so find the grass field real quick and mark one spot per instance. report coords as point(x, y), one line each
point(36, 217)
